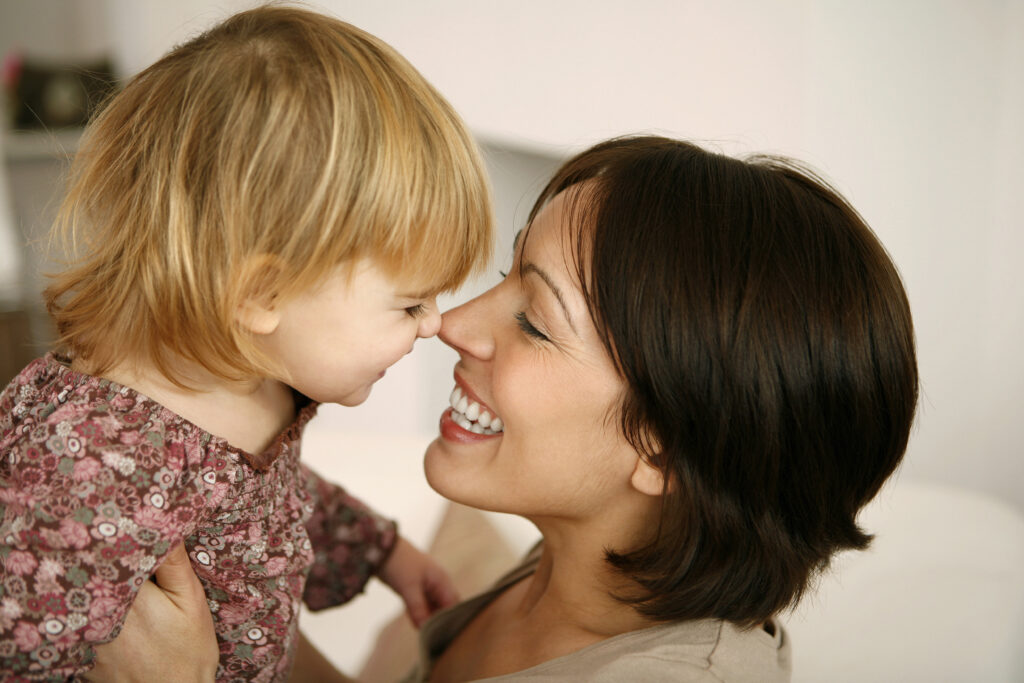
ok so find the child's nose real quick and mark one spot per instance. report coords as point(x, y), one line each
point(430, 323)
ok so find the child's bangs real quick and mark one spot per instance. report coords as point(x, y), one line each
point(447, 238)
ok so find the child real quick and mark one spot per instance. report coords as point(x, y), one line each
point(264, 218)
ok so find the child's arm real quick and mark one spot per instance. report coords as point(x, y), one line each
point(84, 522)
point(350, 543)
point(169, 628)
point(421, 582)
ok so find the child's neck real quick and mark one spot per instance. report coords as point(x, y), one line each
point(248, 415)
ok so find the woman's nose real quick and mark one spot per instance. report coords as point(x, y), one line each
point(469, 329)
point(430, 322)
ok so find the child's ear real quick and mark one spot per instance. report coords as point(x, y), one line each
point(257, 317)
point(647, 477)
point(258, 311)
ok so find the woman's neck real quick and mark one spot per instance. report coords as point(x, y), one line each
point(575, 586)
point(248, 415)
point(566, 604)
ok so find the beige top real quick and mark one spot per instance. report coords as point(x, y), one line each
point(699, 651)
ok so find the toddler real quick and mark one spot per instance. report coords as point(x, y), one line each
point(261, 220)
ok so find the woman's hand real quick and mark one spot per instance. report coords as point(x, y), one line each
point(168, 634)
point(420, 581)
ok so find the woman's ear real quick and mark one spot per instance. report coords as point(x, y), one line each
point(258, 310)
point(647, 478)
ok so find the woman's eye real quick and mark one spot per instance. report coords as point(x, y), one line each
point(526, 326)
point(416, 311)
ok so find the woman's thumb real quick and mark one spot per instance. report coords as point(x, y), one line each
point(175, 575)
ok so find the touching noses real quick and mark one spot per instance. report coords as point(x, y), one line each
point(468, 329)
point(430, 322)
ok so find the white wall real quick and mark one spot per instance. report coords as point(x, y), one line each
point(913, 108)
point(55, 30)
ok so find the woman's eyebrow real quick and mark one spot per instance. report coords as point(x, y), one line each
point(532, 268)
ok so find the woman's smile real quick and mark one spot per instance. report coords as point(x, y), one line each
point(469, 419)
point(528, 431)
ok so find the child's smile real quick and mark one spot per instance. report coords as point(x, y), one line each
point(334, 342)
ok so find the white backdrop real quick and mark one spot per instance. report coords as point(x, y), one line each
point(914, 108)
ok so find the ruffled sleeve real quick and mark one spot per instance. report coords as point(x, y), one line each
point(350, 543)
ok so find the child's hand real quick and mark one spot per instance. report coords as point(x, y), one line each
point(419, 580)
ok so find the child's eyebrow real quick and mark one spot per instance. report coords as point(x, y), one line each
point(425, 294)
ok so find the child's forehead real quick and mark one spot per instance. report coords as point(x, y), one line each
point(410, 283)
point(416, 290)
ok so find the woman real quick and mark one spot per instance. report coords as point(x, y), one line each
point(703, 368)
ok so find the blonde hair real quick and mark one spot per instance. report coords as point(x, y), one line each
point(258, 156)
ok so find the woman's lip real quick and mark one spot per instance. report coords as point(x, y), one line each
point(451, 431)
point(471, 395)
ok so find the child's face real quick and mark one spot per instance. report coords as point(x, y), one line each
point(334, 341)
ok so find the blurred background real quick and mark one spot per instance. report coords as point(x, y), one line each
point(913, 108)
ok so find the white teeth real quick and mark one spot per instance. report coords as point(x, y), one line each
point(469, 414)
point(454, 398)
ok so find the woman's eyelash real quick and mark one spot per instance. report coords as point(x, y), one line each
point(416, 311)
point(526, 326)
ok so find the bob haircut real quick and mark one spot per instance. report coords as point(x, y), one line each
point(252, 161)
point(768, 352)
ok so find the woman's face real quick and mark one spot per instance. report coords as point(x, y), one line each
point(530, 356)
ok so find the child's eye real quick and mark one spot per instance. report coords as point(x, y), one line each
point(526, 326)
point(416, 311)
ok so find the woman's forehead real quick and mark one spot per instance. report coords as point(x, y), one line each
point(566, 222)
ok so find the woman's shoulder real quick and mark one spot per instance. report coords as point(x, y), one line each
point(706, 651)
point(763, 653)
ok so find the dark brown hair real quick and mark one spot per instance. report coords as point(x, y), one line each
point(767, 345)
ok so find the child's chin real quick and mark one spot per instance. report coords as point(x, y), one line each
point(355, 397)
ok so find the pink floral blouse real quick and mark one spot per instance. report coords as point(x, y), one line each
point(98, 482)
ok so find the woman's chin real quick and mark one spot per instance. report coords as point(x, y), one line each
point(450, 475)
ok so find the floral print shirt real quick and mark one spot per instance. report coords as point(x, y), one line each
point(98, 483)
